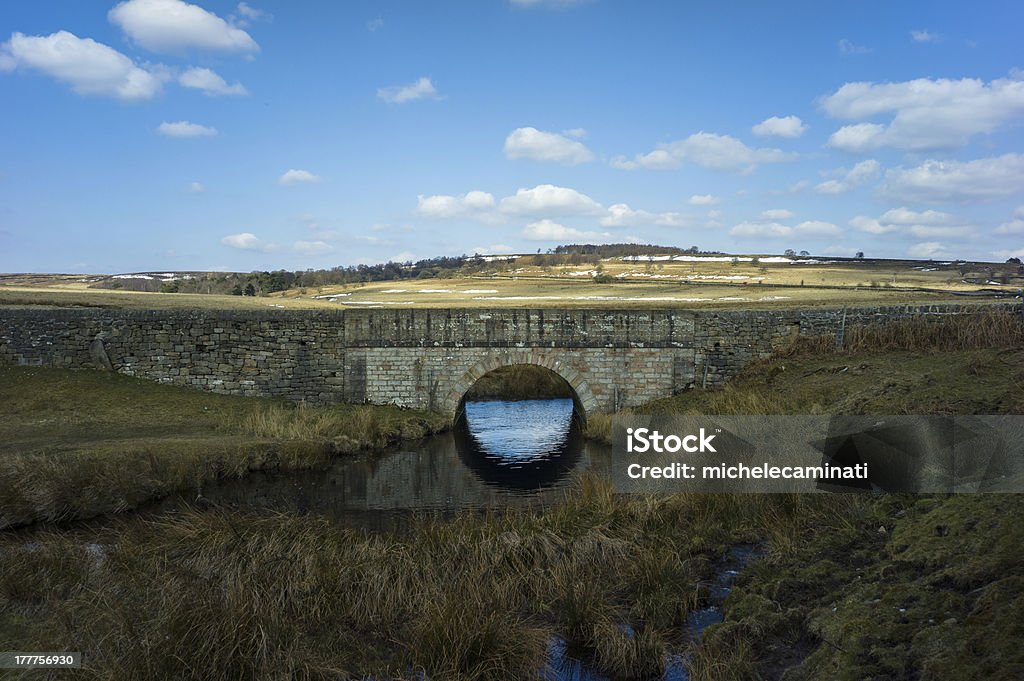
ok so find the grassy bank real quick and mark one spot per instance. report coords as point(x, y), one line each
point(214, 595)
point(82, 443)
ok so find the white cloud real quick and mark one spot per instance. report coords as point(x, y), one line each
point(209, 82)
point(905, 216)
point(247, 241)
point(575, 133)
point(777, 214)
point(547, 199)
point(817, 228)
point(374, 24)
point(927, 250)
point(761, 229)
point(1014, 226)
point(809, 228)
point(621, 215)
point(863, 172)
point(703, 200)
point(925, 36)
point(297, 177)
point(547, 230)
point(312, 247)
point(399, 94)
point(250, 12)
point(1007, 253)
point(185, 129)
point(708, 150)
point(941, 181)
point(789, 126)
point(474, 205)
point(538, 145)
point(848, 47)
point(196, 188)
point(858, 138)
point(919, 224)
point(175, 26)
point(89, 67)
point(872, 225)
point(927, 114)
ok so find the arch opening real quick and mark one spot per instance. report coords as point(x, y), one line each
point(520, 426)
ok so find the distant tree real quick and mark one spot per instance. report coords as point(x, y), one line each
point(860, 255)
point(250, 290)
point(1013, 261)
point(805, 252)
point(734, 262)
point(755, 261)
point(237, 290)
point(790, 252)
point(169, 287)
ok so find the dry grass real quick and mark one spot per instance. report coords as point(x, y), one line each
point(83, 443)
point(216, 595)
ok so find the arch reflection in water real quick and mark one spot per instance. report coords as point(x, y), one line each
point(523, 445)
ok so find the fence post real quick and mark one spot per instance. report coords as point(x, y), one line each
point(841, 332)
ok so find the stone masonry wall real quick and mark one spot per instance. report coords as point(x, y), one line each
point(423, 358)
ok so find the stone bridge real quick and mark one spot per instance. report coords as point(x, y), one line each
point(422, 358)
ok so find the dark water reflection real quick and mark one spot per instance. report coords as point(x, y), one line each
point(503, 454)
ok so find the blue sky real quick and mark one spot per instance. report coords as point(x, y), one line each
point(160, 134)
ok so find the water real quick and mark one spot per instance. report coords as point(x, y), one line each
point(502, 454)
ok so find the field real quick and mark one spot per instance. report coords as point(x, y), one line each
point(847, 587)
point(656, 281)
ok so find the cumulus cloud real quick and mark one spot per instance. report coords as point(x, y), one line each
point(294, 176)
point(547, 199)
point(789, 126)
point(89, 67)
point(474, 205)
point(927, 250)
point(399, 94)
point(621, 215)
point(777, 214)
point(863, 172)
point(251, 13)
point(772, 229)
point(185, 129)
point(1014, 226)
point(174, 26)
point(919, 224)
point(938, 181)
point(538, 145)
point(247, 241)
point(708, 150)
point(703, 200)
point(926, 114)
point(848, 47)
point(196, 188)
point(312, 247)
point(209, 82)
point(548, 230)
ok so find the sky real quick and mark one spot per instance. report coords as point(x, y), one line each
point(268, 134)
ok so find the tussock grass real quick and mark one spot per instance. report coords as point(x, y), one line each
point(220, 595)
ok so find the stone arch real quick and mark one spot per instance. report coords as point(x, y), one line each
point(583, 397)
